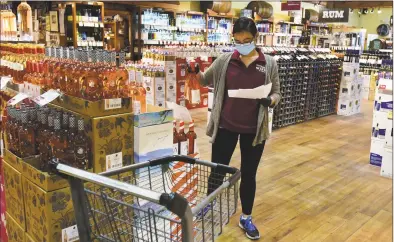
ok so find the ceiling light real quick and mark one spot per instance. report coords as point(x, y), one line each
point(372, 10)
point(379, 11)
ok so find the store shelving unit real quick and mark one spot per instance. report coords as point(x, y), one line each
point(84, 29)
point(114, 40)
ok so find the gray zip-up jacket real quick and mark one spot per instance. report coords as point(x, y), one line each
point(217, 74)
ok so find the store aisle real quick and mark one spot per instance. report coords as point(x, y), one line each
point(315, 183)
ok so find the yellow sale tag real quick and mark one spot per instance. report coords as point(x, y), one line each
point(390, 115)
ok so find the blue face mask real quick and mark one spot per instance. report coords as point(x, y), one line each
point(245, 49)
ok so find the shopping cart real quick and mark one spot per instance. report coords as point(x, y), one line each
point(165, 199)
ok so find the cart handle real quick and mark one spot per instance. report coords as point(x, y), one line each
point(173, 202)
point(166, 160)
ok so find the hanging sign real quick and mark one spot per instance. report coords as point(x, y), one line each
point(291, 6)
point(334, 15)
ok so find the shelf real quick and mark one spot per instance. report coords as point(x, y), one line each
point(91, 24)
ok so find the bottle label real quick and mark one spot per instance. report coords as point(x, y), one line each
point(175, 149)
point(195, 96)
point(70, 234)
point(136, 107)
point(184, 149)
point(113, 103)
point(114, 161)
point(138, 76)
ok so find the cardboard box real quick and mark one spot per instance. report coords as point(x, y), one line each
point(365, 93)
point(17, 162)
point(171, 85)
point(345, 106)
point(15, 232)
point(347, 90)
point(356, 106)
point(99, 108)
point(350, 71)
point(376, 153)
point(28, 238)
point(371, 95)
point(388, 139)
point(14, 194)
point(366, 79)
point(44, 180)
point(111, 140)
point(153, 134)
point(3, 208)
point(48, 212)
point(383, 98)
point(386, 169)
point(380, 122)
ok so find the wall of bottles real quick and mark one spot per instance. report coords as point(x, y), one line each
point(309, 85)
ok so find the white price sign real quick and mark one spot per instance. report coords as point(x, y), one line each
point(114, 103)
point(17, 99)
point(4, 81)
point(47, 97)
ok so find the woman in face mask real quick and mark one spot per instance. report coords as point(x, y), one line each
point(242, 119)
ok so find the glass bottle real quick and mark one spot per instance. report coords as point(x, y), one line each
point(26, 137)
point(55, 139)
point(81, 147)
point(182, 139)
point(15, 132)
point(191, 136)
point(175, 139)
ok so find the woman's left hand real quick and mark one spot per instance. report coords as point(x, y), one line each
point(266, 102)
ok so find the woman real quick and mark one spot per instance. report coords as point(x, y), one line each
point(238, 118)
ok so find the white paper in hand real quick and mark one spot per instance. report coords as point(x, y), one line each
point(180, 112)
point(255, 93)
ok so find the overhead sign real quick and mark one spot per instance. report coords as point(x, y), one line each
point(334, 15)
point(291, 6)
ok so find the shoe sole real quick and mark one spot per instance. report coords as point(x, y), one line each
point(249, 237)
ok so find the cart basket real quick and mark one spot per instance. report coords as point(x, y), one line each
point(173, 198)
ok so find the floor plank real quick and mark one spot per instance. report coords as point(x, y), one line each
point(315, 183)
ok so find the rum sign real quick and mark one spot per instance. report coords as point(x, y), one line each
point(334, 15)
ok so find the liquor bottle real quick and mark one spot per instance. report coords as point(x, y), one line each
point(175, 139)
point(8, 128)
point(26, 137)
point(55, 139)
point(191, 137)
point(141, 98)
point(43, 136)
point(32, 125)
point(182, 139)
point(14, 131)
point(71, 136)
point(64, 130)
point(81, 147)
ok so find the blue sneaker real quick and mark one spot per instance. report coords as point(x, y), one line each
point(250, 230)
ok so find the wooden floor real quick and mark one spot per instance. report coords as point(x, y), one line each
point(315, 183)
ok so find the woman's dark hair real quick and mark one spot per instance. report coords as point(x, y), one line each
point(244, 24)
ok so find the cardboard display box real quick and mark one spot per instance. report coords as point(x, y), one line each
point(111, 140)
point(387, 164)
point(153, 135)
point(14, 195)
point(99, 108)
point(48, 212)
point(15, 232)
point(17, 162)
point(3, 234)
point(376, 154)
point(28, 238)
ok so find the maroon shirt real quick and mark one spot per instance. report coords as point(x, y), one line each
point(240, 114)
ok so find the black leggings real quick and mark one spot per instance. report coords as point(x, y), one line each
point(223, 149)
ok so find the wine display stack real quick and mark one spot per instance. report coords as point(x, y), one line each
point(309, 85)
point(350, 93)
point(381, 153)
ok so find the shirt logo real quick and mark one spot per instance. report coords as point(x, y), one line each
point(260, 68)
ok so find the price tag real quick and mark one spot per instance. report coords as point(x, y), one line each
point(390, 115)
point(17, 99)
point(4, 81)
point(114, 103)
point(47, 97)
point(114, 161)
point(70, 234)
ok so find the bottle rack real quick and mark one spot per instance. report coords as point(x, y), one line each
point(309, 87)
